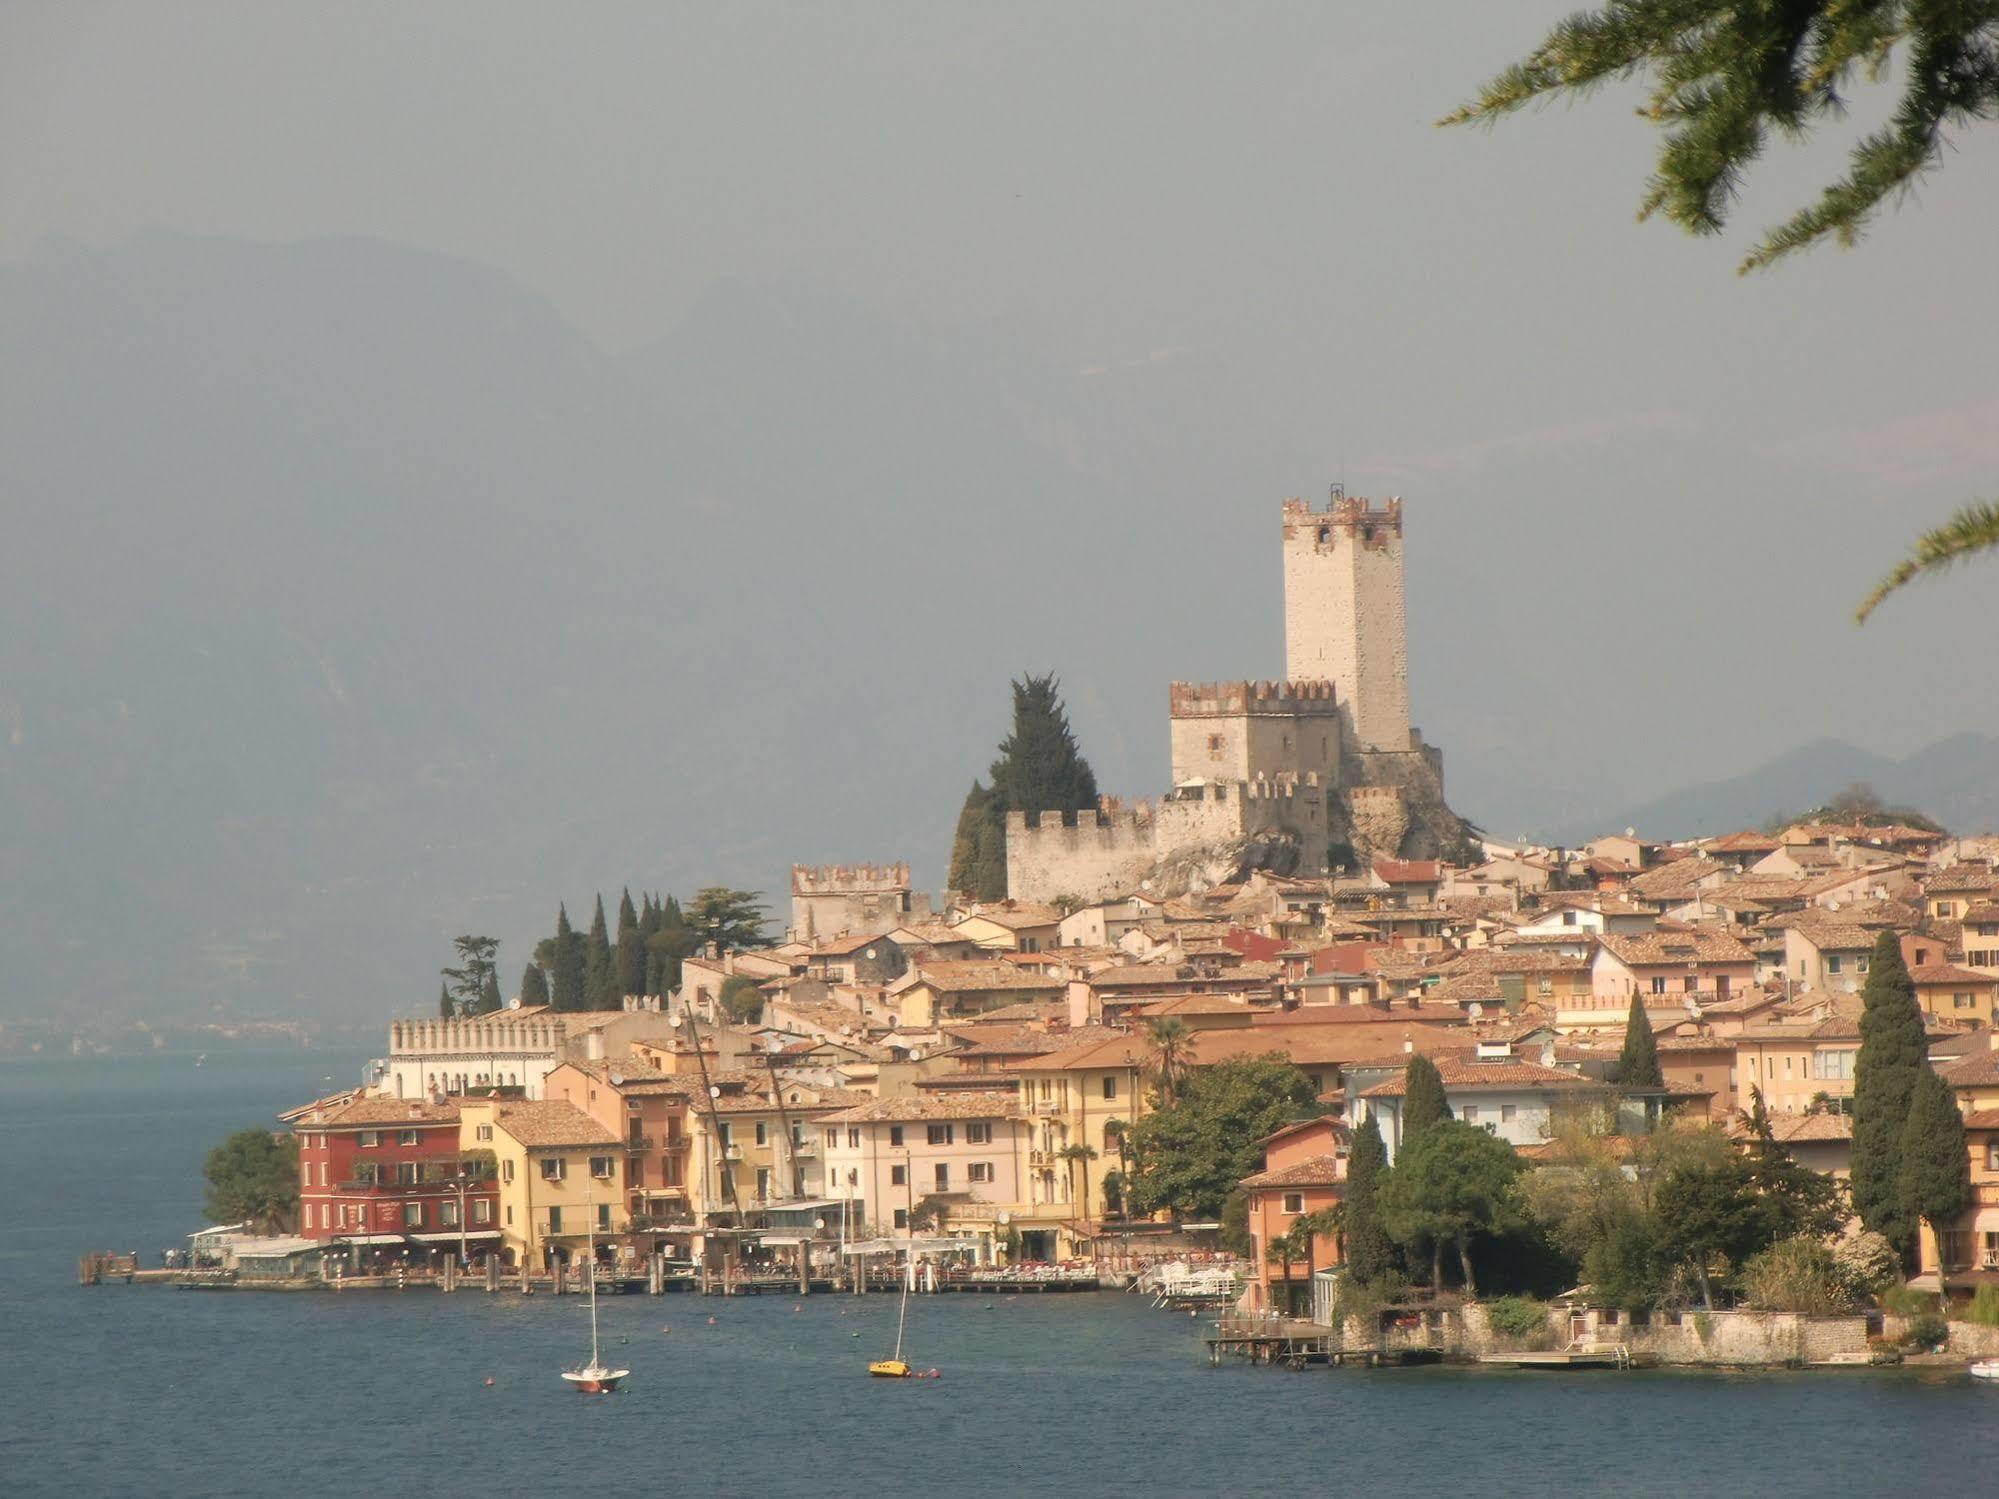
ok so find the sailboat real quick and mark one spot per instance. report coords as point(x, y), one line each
point(893, 1367)
point(593, 1378)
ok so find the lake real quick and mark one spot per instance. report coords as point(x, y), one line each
point(121, 1390)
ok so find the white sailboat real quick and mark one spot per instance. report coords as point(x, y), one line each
point(593, 1378)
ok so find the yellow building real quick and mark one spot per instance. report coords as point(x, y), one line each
point(1083, 1096)
point(1952, 992)
point(560, 1175)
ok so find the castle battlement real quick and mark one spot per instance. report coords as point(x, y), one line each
point(1105, 819)
point(1346, 514)
point(1236, 699)
point(849, 879)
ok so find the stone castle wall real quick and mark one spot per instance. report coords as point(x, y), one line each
point(1245, 731)
point(1343, 612)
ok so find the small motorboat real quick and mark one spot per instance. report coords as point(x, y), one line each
point(1985, 1368)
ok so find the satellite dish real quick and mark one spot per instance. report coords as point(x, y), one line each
point(514, 1003)
point(617, 1079)
point(1005, 1217)
point(713, 1091)
point(1631, 832)
point(674, 1021)
point(1475, 1009)
point(915, 1053)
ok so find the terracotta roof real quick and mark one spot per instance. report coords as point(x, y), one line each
point(1014, 915)
point(1409, 871)
point(1745, 842)
point(1978, 1070)
point(1674, 881)
point(980, 977)
point(1962, 879)
point(1206, 1004)
point(549, 1124)
point(1982, 1119)
point(841, 947)
point(373, 1113)
point(1983, 912)
point(1466, 1076)
point(1689, 945)
point(1314, 1171)
point(991, 1104)
point(1020, 1040)
point(1949, 973)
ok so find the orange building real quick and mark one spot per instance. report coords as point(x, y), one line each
point(1304, 1171)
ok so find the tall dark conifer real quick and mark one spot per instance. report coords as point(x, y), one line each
point(1039, 769)
point(599, 976)
point(978, 849)
point(1893, 1055)
point(534, 986)
point(629, 957)
point(1423, 1101)
point(1370, 1253)
point(1638, 1063)
point(1936, 1179)
point(566, 970)
point(446, 1007)
point(489, 992)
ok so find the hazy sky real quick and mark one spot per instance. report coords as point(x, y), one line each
point(1644, 492)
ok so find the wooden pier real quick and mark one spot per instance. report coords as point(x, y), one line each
point(1575, 1356)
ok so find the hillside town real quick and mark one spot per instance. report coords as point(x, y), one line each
point(1010, 1084)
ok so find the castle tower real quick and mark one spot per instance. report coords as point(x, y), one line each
point(1343, 612)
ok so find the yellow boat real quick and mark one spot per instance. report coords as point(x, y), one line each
point(889, 1368)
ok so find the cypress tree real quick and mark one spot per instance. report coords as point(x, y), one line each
point(566, 976)
point(630, 957)
point(1423, 1102)
point(489, 992)
point(1893, 1056)
point(978, 849)
point(1936, 1179)
point(534, 986)
point(1638, 1063)
point(599, 976)
point(446, 1010)
point(1039, 769)
point(1370, 1253)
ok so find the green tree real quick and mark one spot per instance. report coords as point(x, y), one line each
point(1370, 1253)
point(253, 1178)
point(447, 1007)
point(565, 967)
point(534, 985)
point(629, 956)
point(1637, 1064)
point(600, 975)
point(740, 998)
point(1451, 1182)
point(1893, 1054)
point(1725, 74)
point(978, 848)
point(1039, 769)
point(671, 943)
point(1936, 1181)
point(489, 993)
point(731, 919)
point(1709, 1211)
point(1423, 1102)
point(1076, 1156)
point(1171, 1039)
point(1801, 1201)
point(1190, 1154)
point(467, 983)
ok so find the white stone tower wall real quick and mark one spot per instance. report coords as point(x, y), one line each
point(1343, 613)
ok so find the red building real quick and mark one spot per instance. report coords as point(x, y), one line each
point(389, 1174)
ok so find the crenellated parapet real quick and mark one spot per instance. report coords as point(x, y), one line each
point(1278, 698)
point(849, 879)
point(1346, 515)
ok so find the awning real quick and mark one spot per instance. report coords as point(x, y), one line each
point(453, 1236)
point(220, 1228)
point(369, 1239)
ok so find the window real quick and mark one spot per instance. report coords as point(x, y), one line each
point(897, 1176)
point(482, 1211)
point(369, 1139)
point(1110, 1085)
point(1658, 983)
point(902, 1218)
point(506, 1171)
point(853, 1177)
point(1294, 1203)
point(939, 1134)
point(1861, 962)
point(447, 1214)
point(1946, 909)
point(895, 1134)
point(832, 1139)
point(405, 1137)
point(722, 1134)
point(1506, 1112)
point(412, 1215)
point(978, 1134)
point(853, 1137)
point(603, 1217)
point(484, 1132)
point(1832, 962)
point(554, 1169)
point(1469, 1113)
point(406, 1173)
point(1992, 1156)
point(943, 1176)
point(980, 1171)
point(1690, 983)
point(1544, 986)
point(763, 1133)
point(510, 1215)
point(555, 1220)
point(602, 1167)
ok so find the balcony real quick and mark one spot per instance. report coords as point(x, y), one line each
point(805, 1148)
point(637, 1140)
point(732, 1152)
point(1045, 1106)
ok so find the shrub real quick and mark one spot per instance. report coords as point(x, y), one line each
point(1867, 1262)
point(1984, 1308)
point(1796, 1275)
point(1516, 1316)
point(1927, 1332)
point(1900, 1301)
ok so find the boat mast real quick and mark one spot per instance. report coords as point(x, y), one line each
point(590, 1270)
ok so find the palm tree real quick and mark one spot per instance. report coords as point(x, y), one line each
point(1284, 1249)
point(1116, 1131)
point(1171, 1039)
point(1075, 1155)
point(1973, 529)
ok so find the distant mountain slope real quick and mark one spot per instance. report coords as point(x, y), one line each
point(1955, 781)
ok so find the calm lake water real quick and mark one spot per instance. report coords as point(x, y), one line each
point(116, 1390)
